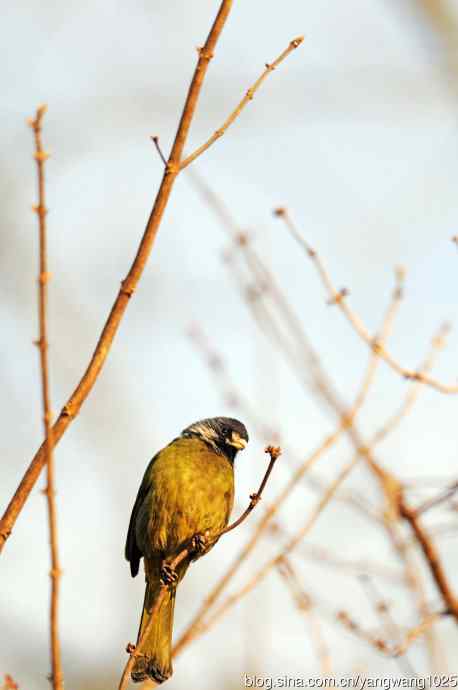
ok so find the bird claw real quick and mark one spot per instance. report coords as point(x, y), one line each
point(169, 575)
point(199, 543)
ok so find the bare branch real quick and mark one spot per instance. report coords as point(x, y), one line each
point(438, 500)
point(42, 343)
point(338, 298)
point(418, 630)
point(431, 555)
point(382, 608)
point(295, 43)
point(274, 453)
point(155, 141)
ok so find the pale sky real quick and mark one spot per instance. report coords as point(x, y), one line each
point(356, 134)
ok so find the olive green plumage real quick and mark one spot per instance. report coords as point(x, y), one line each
point(187, 489)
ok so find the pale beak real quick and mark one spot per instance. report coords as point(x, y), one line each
point(237, 441)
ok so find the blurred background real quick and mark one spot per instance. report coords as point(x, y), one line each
point(356, 134)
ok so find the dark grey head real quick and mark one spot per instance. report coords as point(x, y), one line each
point(223, 434)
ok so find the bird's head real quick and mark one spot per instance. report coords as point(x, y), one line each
point(224, 434)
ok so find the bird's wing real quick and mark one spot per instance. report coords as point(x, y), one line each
point(132, 551)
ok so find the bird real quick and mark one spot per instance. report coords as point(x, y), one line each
point(187, 492)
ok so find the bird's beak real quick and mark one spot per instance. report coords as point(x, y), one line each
point(237, 441)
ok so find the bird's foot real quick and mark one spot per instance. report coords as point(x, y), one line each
point(199, 544)
point(169, 575)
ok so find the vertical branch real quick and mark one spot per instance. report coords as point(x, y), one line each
point(431, 555)
point(42, 343)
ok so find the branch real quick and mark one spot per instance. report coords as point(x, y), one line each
point(42, 343)
point(128, 285)
point(394, 493)
point(431, 554)
point(418, 630)
point(321, 556)
point(274, 452)
point(382, 645)
point(437, 500)
point(295, 43)
point(382, 608)
point(437, 344)
point(305, 602)
point(205, 543)
point(338, 298)
point(322, 386)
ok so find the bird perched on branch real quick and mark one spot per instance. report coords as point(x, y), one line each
point(187, 490)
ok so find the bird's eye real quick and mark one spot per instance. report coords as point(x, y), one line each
point(225, 430)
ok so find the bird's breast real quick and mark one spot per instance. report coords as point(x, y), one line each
point(192, 492)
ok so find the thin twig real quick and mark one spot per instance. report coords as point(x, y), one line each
point(352, 626)
point(128, 286)
point(437, 344)
point(42, 343)
point(437, 500)
point(155, 141)
point(306, 602)
point(415, 583)
point(338, 298)
point(274, 452)
point(295, 43)
point(382, 608)
point(391, 488)
point(418, 630)
point(397, 504)
point(351, 567)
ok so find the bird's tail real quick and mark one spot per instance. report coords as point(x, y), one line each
point(155, 660)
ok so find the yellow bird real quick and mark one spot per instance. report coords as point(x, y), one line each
point(187, 490)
